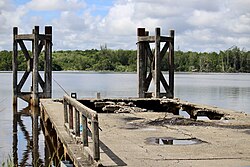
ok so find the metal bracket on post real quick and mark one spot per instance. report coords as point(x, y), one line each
point(73, 95)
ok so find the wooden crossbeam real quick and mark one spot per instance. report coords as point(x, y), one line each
point(40, 46)
point(151, 39)
point(145, 54)
point(27, 37)
point(24, 49)
point(166, 39)
point(39, 41)
point(164, 50)
point(148, 81)
point(40, 81)
point(22, 81)
point(149, 51)
point(164, 83)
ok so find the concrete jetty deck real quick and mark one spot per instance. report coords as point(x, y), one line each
point(159, 138)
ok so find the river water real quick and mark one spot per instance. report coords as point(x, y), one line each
point(231, 91)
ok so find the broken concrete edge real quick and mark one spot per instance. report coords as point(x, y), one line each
point(180, 104)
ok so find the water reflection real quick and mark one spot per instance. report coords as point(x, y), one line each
point(30, 156)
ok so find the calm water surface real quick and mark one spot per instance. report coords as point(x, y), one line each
point(230, 91)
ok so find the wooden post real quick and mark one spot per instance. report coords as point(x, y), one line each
point(84, 131)
point(65, 106)
point(15, 136)
point(77, 123)
point(141, 63)
point(38, 41)
point(157, 62)
point(35, 133)
point(48, 62)
point(171, 63)
point(70, 116)
point(14, 65)
point(95, 137)
point(144, 54)
point(35, 96)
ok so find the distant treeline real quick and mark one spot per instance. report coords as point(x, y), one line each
point(231, 60)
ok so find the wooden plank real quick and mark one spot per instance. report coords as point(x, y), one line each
point(29, 37)
point(150, 39)
point(166, 39)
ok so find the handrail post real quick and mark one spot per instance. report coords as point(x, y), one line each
point(77, 123)
point(71, 105)
point(84, 131)
point(70, 116)
point(95, 137)
point(65, 106)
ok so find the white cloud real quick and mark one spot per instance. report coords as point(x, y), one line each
point(200, 25)
point(49, 5)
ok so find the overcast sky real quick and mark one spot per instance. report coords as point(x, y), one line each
point(200, 25)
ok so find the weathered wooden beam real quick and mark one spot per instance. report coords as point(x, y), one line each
point(166, 39)
point(171, 63)
point(24, 49)
point(40, 46)
point(95, 137)
point(71, 116)
point(141, 67)
point(65, 107)
point(26, 96)
point(150, 39)
point(157, 62)
point(35, 98)
point(28, 37)
point(40, 81)
point(164, 50)
point(84, 131)
point(87, 112)
point(148, 81)
point(77, 123)
point(149, 51)
point(48, 62)
point(22, 81)
point(165, 85)
point(14, 65)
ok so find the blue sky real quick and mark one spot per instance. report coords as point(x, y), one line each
point(207, 25)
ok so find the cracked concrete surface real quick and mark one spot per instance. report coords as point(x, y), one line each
point(125, 135)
